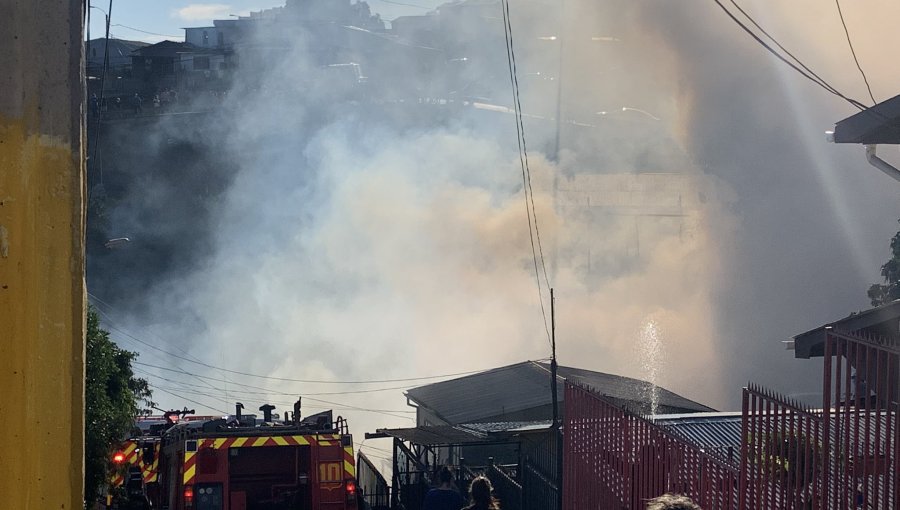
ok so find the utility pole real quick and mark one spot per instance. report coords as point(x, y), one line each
point(555, 430)
point(42, 293)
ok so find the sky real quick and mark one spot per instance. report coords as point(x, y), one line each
point(139, 20)
point(378, 257)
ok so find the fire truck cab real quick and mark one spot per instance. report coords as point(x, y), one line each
point(240, 462)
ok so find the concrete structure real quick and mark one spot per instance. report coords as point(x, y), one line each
point(41, 255)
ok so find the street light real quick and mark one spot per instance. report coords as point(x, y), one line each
point(630, 109)
point(644, 112)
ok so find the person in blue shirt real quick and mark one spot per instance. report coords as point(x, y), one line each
point(444, 497)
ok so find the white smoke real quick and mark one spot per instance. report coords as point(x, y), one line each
point(361, 242)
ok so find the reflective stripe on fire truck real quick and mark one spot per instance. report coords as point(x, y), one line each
point(250, 442)
point(149, 472)
point(349, 468)
point(134, 457)
point(190, 468)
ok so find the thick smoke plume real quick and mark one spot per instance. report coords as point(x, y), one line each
point(692, 193)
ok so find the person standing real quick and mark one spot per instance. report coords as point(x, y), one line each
point(443, 497)
point(481, 494)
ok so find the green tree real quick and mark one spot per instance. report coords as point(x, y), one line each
point(881, 294)
point(112, 401)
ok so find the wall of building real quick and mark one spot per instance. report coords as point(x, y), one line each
point(203, 37)
point(41, 255)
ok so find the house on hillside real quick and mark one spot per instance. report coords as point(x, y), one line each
point(180, 66)
point(116, 54)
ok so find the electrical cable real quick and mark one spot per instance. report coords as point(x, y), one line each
point(523, 162)
point(145, 31)
point(275, 392)
point(113, 327)
point(103, 73)
point(406, 5)
point(853, 52)
point(342, 407)
point(817, 78)
point(191, 401)
point(515, 75)
point(300, 394)
point(781, 57)
point(812, 76)
point(285, 379)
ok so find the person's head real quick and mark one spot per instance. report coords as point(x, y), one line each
point(672, 502)
point(445, 476)
point(480, 491)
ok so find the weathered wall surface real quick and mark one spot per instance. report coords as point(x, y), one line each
point(41, 254)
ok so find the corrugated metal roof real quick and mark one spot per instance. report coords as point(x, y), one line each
point(718, 432)
point(508, 427)
point(501, 393)
point(635, 393)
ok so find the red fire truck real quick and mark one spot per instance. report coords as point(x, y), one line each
point(241, 462)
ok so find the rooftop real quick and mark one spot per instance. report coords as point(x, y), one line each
point(875, 125)
point(503, 394)
point(883, 321)
point(468, 433)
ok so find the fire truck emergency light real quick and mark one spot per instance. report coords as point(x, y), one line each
point(189, 495)
point(118, 457)
point(351, 490)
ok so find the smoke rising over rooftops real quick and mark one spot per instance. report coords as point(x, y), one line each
point(376, 229)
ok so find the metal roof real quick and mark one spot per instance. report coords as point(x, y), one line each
point(166, 49)
point(883, 321)
point(875, 125)
point(468, 433)
point(717, 432)
point(518, 391)
point(440, 435)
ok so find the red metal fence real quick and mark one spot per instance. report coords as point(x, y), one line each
point(614, 460)
point(843, 456)
point(861, 419)
point(782, 453)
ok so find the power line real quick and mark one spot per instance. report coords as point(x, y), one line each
point(111, 326)
point(523, 162)
point(806, 72)
point(267, 391)
point(813, 77)
point(191, 401)
point(285, 379)
point(144, 31)
point(103, 73)
point(332, 405)
point(853, 52)
point(406, 4)
point(343, 407)
point(818, 78)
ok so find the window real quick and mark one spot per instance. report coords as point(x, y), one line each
point(205, 38)
point(221, 36)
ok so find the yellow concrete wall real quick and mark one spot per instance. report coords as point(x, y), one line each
point(41, 255)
